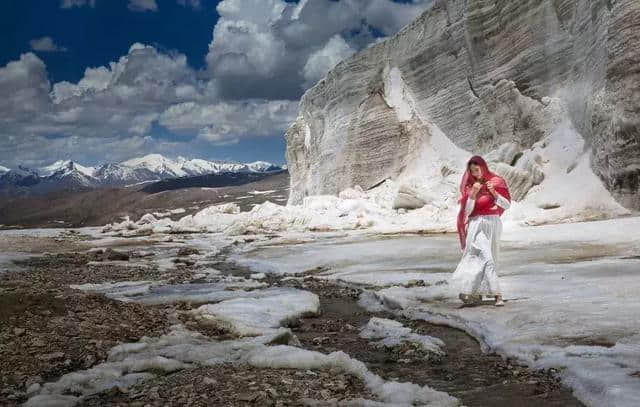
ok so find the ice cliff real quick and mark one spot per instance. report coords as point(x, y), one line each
point(547, 90)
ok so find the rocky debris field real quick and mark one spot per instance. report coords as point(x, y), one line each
point(238, 385)
point(48, 329)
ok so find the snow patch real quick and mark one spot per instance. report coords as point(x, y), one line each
point(260, 315)
point(262, 192)
point(390, 333)
point(121, 291)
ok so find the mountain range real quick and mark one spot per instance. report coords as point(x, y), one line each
point(67, 174)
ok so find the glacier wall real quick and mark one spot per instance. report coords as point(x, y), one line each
point(538, 87)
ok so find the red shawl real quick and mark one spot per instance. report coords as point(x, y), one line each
point(485, 202)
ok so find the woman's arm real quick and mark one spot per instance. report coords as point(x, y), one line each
point(502, 201)
point(471, 203)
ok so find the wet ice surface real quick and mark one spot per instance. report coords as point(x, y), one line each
point(359, 259)
point(262, 311)
point(7, 259)
point(12, 242)
point(573, 289)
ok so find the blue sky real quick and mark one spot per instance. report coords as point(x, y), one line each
point(95, 36)
point(106, 80)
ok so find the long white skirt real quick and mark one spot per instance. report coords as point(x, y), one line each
point(477, 271)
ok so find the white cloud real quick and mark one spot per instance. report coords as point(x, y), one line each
point(223, 122)
point(242, 48)
point(321, 61)
point(194, 4)
point(142, 5)
point(45, 44)
point(262, 48)
point(25, 89)
point(144, 72)
point(298, 9)
point(122, 101)
point(77, 3)
point(261, 12)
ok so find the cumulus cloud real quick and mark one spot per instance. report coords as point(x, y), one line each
point(144, 73)
point(321, 61)
point(142, 5)
point(274, 49)
point(45, 44)
point(123, 101)
point(227, 122)
point(243, 48)
point(25, 87)
point(77, 3)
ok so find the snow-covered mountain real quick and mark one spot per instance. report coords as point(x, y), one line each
point(151, 167)
point(70, 175)
point(180, 167)
point(157, 164)
point(65, 165)
point(164, 167)
point(21, 176)
point(111, 174)
point(200, 167)
point(263, 166)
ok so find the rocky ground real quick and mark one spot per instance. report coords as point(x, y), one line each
point(238, 385)
point(477, 378)
point(48, 329)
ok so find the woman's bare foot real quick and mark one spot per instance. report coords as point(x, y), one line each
point(499, 302)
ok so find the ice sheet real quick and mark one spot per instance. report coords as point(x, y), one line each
point(263, 312)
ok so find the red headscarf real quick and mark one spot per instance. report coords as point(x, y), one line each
point(484, 199)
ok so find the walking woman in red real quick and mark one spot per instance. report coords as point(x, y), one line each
point(485, 197)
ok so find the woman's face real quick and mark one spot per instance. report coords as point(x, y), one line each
point(476, 171)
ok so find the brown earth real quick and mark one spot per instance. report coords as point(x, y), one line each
point(101, 206)
point(237, 385)
point(48, 329)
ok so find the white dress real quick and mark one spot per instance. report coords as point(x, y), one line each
point(477, 271)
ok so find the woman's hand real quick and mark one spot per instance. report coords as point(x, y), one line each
point(491, 188)
point(475, 189)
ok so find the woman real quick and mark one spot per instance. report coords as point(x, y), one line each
point(485, 196)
